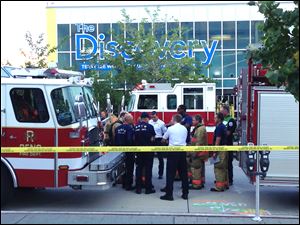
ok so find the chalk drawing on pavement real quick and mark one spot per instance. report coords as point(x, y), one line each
point(229, 207)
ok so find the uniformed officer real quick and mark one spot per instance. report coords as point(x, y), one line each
point(124, 136)
point(176, 135)
point(230, 124)
point(196, 160)
point(144, 136)
point(221, 167)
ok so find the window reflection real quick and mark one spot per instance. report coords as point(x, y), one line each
point(63, 37)
point(256, 34)
point(215, 70)
point(229, 35)
point(201, 31)
point(215, 32)
point(229, 64)
point(187, 31)
point(242, 34)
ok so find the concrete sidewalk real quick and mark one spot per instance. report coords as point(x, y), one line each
point(237, 205)
point(130, 218)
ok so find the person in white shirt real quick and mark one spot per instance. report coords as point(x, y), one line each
point(176, 135)
point(160, 129)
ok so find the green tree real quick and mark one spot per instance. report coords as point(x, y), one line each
point(280, 45)
point(37, 56)
point(150, 61)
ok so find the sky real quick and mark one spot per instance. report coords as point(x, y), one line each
point(16, 19)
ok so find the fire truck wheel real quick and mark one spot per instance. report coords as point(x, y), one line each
point(6, 186)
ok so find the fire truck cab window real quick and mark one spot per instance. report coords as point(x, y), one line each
point(90, 101)
point(171, 101)
point(147, 102)
point(63, 100)
point(29, 105)
point(193, 98)
point(131, 103)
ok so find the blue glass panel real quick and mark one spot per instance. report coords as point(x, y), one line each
point(201, 31)
point(173, 28)
point(104, 28)
point(256, 34)
point(229, 35)
point(63, 39)
point(215, 32)
point(64, 60)
point(159, 31)
point(242, 61)
point(242, 34)
point(229, 83)
point(187, 31)
point(229, 64)
point(215, 70)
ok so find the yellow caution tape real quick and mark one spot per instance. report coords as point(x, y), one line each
point(144, 149)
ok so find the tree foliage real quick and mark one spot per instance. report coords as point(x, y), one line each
point(280, 45)
point(37, 56)
point(150, 61)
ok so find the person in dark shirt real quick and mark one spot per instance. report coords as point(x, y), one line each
point(220, 167)
point(186, 121)
point(230, 124)
point(144, 136)
point(124, 136)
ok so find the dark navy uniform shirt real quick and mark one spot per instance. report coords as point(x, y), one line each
point(220, 131)
point(143, 134)
point(124, 135)
point(187, 120)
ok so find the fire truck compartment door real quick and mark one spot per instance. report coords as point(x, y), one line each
point(278, 124)
point(107, 161)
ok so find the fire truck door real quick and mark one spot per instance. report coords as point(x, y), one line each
point(29, 123)
point(3, 114)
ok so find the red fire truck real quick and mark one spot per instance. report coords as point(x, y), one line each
point(268, 115)
point(52, 112)
point(199, 98)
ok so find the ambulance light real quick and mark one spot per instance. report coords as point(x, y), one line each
point(152, 86)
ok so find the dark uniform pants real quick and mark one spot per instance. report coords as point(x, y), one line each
point(160, 156)
point(129, 168)
point(230, 166)
point(176, 160)
point(144, 160)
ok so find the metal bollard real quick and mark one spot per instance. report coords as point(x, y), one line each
point(257, 217)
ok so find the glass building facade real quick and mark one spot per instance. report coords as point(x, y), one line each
point(233, 24)
point(228, 60)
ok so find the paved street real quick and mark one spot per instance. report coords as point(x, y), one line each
point(278, 205)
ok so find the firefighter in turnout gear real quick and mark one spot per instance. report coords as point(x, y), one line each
point(196, 160)
point(221, 158)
